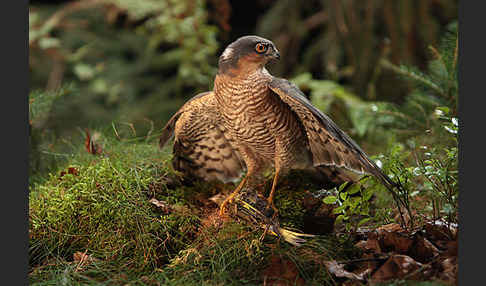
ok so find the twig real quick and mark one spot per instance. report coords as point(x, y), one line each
point(363, 259)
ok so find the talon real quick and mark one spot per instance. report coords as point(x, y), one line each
point(274, 212)
point(269, 212)
point(231, 196)
point(221, 208)
point(264, 232)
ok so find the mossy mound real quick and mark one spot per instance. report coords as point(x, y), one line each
point(99, 205)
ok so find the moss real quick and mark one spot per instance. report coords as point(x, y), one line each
point(100, 205)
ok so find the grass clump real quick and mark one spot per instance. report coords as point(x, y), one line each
point(100, 205)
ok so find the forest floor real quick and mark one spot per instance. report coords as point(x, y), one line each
point(119, 215)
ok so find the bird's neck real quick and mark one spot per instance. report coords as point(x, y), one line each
point(249, 85)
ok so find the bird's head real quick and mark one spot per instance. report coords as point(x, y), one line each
point(246, 54)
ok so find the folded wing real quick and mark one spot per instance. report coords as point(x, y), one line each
point(202, 147)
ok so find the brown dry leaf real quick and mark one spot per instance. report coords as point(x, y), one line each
point(396, 267)
point(218, 198)
point(396, 241)
point(451, 248)
point(371, 245)
point(71, 170)
point(165, 207)
point(449, 266)
point(423, 250)
point(438, 230)
point(281, 272)
point(391, 227)
point(82, 259)
point(394, 238)
point(90, 143)
point(367, 267)
point(160, 204)
point(338, 270)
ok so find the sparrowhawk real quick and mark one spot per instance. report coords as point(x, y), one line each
point(253, 121)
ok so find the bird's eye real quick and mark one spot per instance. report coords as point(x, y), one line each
point(260, 48)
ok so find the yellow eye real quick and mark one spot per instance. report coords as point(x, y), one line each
point(260, 48)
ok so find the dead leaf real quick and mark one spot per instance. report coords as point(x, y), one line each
point(338, 270)
point(451, 248)
point(281, 272)
point(82, 259)
point(371, 245)
point(396, 242)
point(423, 250)
point(391, 227)
point(396, 267)
point(439, 230)
point(449, 266)
point(71, 170)
point(160, 204)
point(90, 143)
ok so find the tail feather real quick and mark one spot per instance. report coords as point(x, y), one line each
point(332, 176)
point(376, 171)
point(168, 131)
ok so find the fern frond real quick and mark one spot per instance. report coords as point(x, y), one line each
point(415, 75)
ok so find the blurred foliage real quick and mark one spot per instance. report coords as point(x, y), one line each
point(128, 59)
point(344, 40)
point(134, 63)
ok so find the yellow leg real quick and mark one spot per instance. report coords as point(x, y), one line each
point(272, 192)
point(232, 195)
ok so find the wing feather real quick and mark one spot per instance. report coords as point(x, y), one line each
point(202, 147)
point(329, 145)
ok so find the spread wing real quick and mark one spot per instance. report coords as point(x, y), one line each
point(202, 147)
point(329, 145)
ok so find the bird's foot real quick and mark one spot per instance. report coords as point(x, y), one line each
point(271, 210)
point(264, 232)
point(222, 207)
point(225, 202)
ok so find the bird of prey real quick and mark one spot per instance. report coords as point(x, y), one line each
point(252, 121)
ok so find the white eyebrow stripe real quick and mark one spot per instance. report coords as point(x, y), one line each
point(227, 53)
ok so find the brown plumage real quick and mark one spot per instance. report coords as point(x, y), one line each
point(253, 121)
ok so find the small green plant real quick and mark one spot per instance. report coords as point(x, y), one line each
point(426, 165)
point(352, 201)
point(422, 146)
point(438, 166)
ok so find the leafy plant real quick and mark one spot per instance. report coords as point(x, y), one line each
point(132, 61)
point(352, 202)
point(429, 115)
point(425, 165)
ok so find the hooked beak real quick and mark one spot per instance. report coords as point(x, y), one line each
point(274, 54)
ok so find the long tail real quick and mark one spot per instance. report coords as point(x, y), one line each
point(376, 171)
point(395, 188)
point(168, 131)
